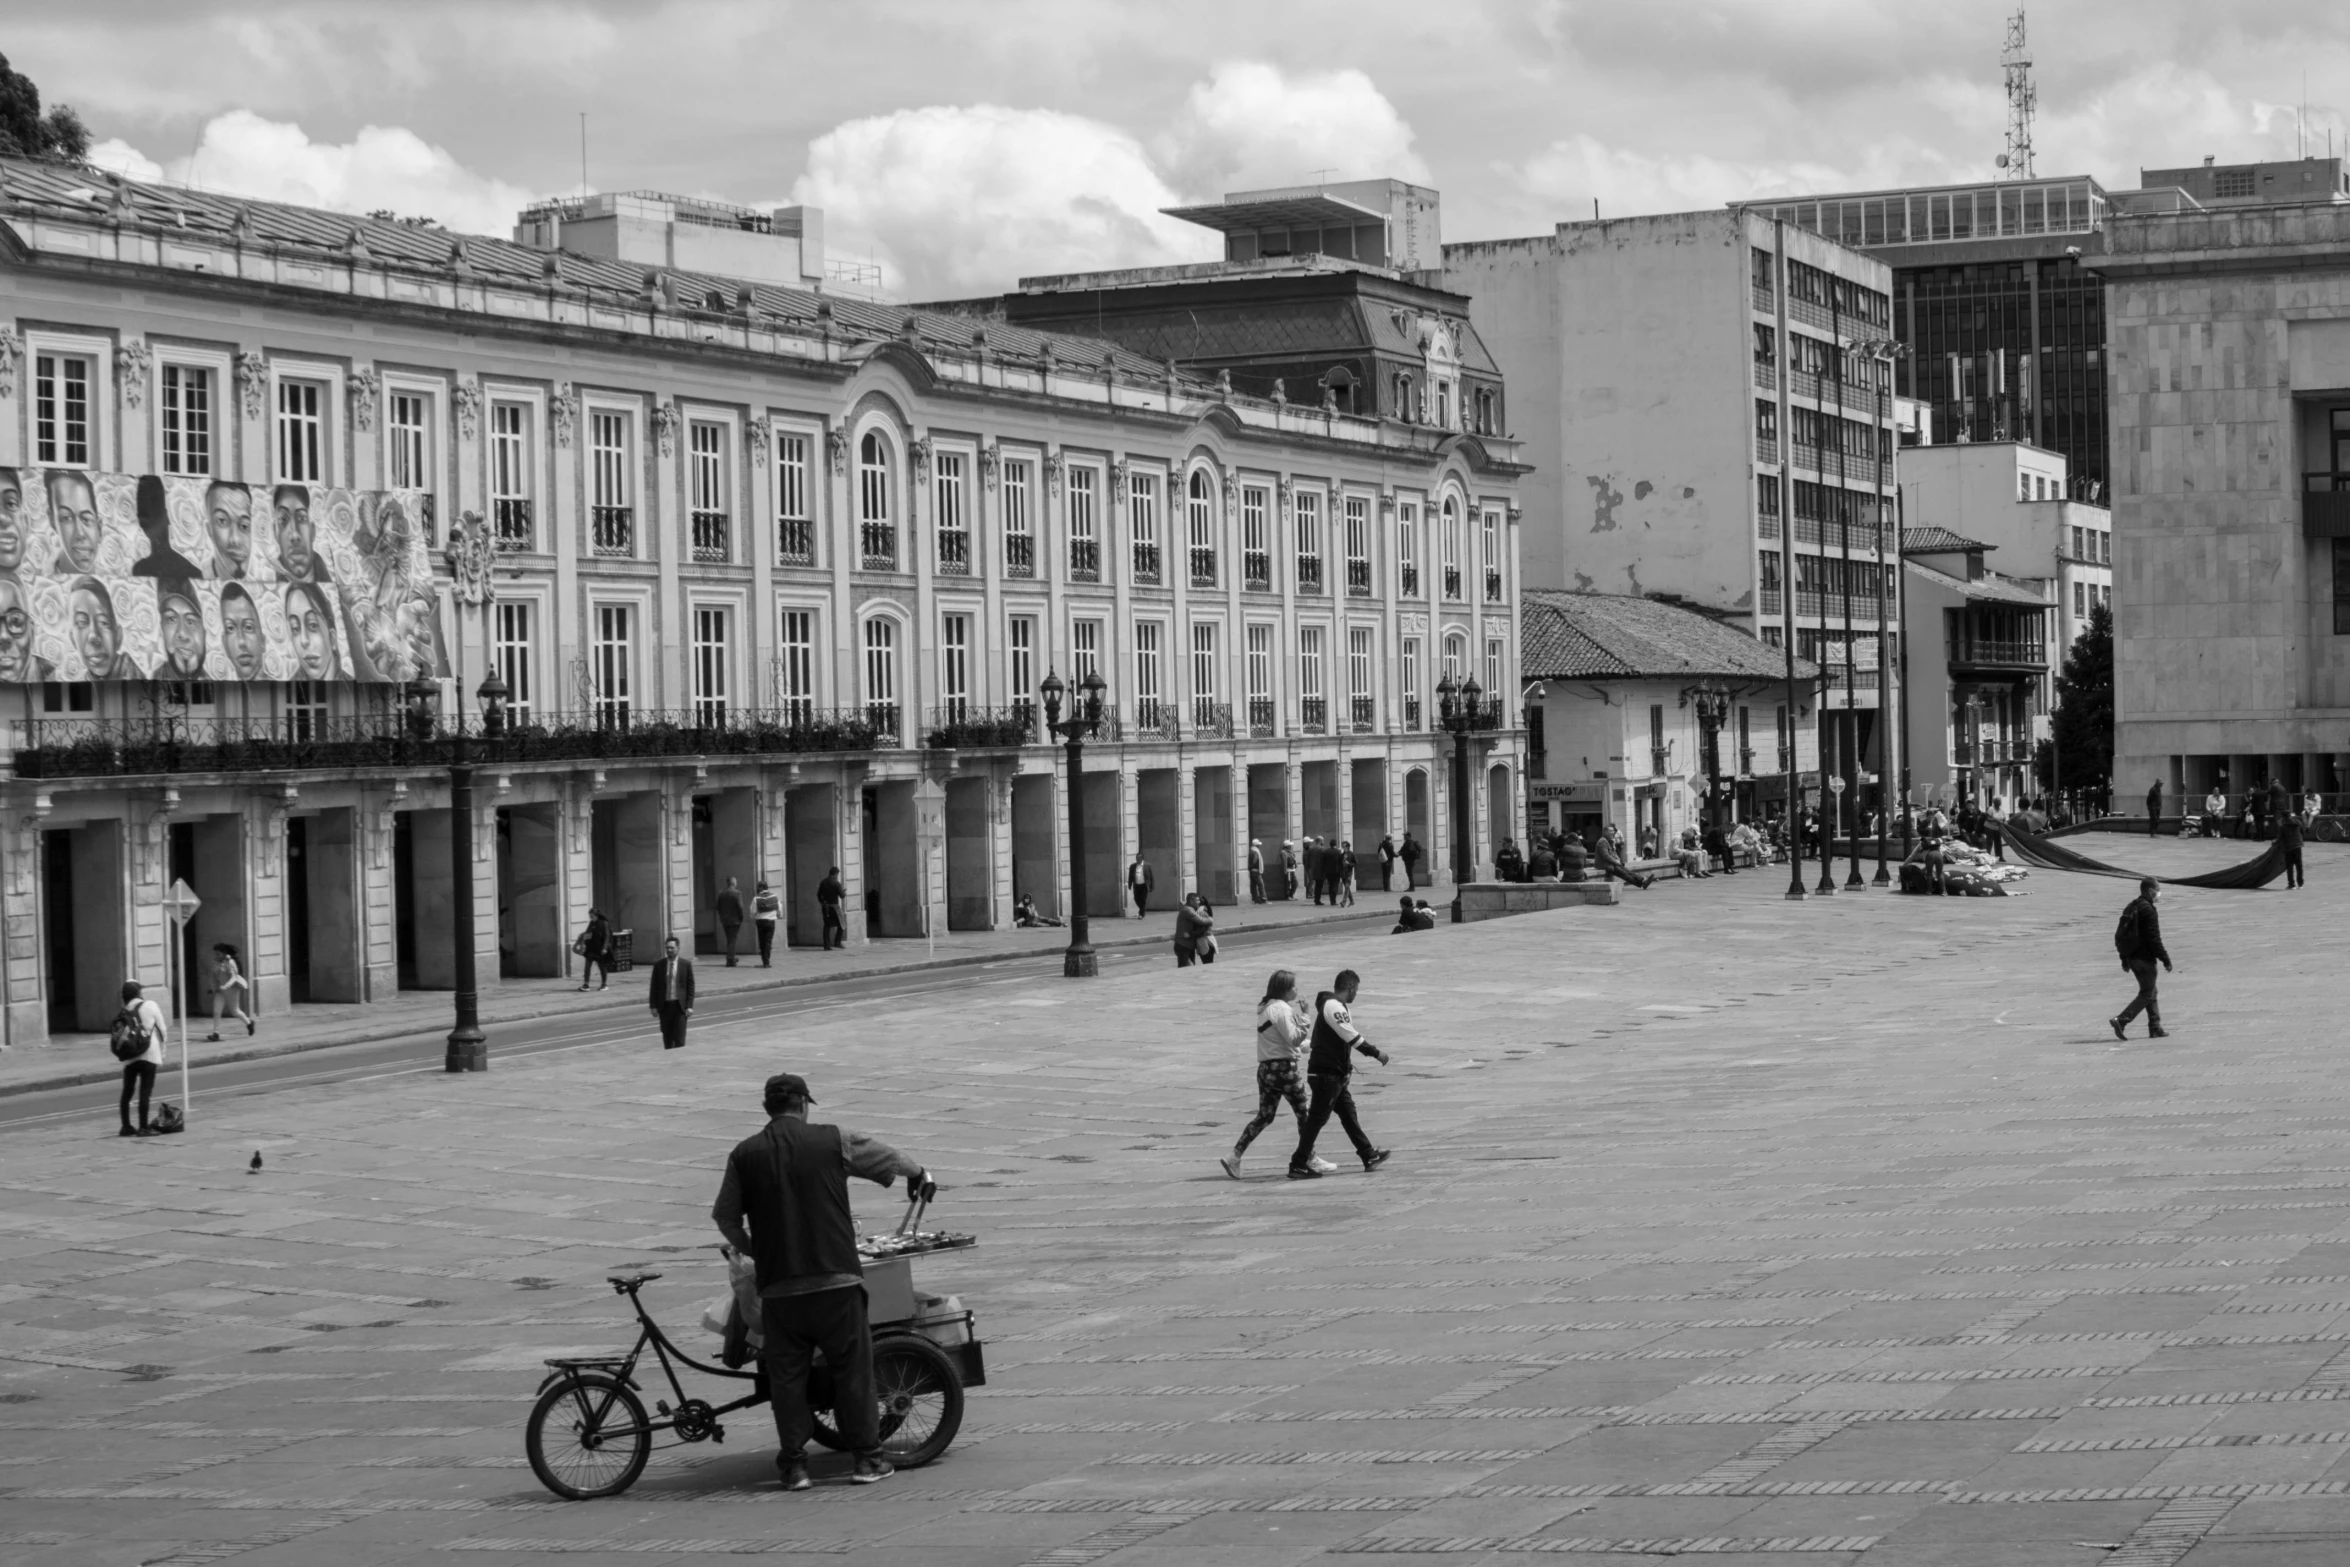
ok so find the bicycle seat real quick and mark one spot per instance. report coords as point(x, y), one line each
point(629, 1283)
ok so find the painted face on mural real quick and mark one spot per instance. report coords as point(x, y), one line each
point(11, 520)
point(16, 632)
point(73, 508)
point(95, 630)
point(241, 636)
point(310, 630)
point(296, 554)
point(183, 631)
point(228, 516)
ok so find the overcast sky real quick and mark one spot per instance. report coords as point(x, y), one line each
point(964, 143)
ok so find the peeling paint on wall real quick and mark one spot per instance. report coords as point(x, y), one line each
point(1632, 575)
point(1583, 582)
point(1604, 501)
point(1688, 492)
point(1641, 490)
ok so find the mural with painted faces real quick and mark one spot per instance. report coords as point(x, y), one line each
point(296, 534)
point(310, 631)
point(12, 534)
point(16, 632)
point(97, 633)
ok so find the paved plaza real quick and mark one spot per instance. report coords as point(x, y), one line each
point(1838, 1232)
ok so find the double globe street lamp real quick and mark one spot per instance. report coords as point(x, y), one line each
point(1079, 961)
point(1458, 709)
point(468, 1049)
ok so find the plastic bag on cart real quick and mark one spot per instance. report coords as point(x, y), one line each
point(735, 1316)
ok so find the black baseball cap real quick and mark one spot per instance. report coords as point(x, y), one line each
point(786, 1088)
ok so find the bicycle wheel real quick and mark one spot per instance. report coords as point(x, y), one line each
point(921, 1399)
point(587, 1437)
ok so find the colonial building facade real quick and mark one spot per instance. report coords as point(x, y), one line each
point(778, 577)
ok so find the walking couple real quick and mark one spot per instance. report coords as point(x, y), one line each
point(1329, 1042)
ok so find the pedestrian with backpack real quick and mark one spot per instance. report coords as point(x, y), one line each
point(2138, 939)
point(1329, 1066)
point(136, 1038)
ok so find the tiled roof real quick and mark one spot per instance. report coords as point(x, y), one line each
point(1599, 636)
point(1989, 588)
point(1938, 541)
point(77, 193)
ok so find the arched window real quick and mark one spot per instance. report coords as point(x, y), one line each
point(1199, 508)
point(881, 674)
point(1452, 547)
point(877, 529)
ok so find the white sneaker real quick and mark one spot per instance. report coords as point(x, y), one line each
point(1323, 1165)
point(1231, 1164)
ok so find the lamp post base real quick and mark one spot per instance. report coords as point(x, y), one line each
point(469, 1051)
point(1080, 963)
point(1456, 908)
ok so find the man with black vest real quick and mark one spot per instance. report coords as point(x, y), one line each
point(1329, 1066)
point(790, 1182)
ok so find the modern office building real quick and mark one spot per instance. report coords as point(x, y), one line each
point(2004, 330)
point(1666, 375)
point(2232, 498)
point(2211, 184)
point(777, 578)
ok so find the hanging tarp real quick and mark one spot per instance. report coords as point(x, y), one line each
point(2053, 856)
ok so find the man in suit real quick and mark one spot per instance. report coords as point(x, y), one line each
point(673, 995)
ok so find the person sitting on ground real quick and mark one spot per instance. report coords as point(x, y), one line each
point(1423, 917)
point(1025, 916)
point(1403, 916)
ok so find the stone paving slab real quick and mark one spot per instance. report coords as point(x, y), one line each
point(1719, 1226)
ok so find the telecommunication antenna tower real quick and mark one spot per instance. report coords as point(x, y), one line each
point(2016, 61)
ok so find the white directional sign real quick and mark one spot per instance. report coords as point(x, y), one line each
point(181, 902)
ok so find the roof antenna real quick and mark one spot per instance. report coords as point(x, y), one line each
point(2016, 61)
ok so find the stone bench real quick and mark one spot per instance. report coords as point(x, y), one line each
point(1492, 900)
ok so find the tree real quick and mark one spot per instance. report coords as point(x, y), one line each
point(2082, 725)
point(25, 132)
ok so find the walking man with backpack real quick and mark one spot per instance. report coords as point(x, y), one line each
point(1329, 1066)
point(136, 1038)
point(2138, 939)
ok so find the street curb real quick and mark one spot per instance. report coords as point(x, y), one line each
point(376, 1034)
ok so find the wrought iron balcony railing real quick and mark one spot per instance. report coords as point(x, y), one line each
point(1309, 574)
point(1313, 714)
point(1155, 719)
point(1146, 561)
point(959, 726)
point(100, 747)
point(611, 530)
point(795, 541)
point(1256, 570)
point(1019, 555)
point(1263, 718)
point(1358, 576)
point(954, 552)
point(1085, 560)
point(1452, 582)
point(1411, 714)
point(1492, 586)
point(1365, 713)
point(1210, 719)
point(1203, 566)
point(877, 546)
point(709, 536)
point(1408, 576)
point(510, 523)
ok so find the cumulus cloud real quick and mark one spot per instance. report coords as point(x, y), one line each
point(959, 200)
point(242, 154)
point(1249, 126)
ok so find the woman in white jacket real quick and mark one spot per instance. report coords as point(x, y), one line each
point(1282, 1032)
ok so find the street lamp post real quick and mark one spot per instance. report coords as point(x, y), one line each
point(469, 1049)
point(1712, 700)
point(1079, 961)
point(1827, 882)
point(1456, 710)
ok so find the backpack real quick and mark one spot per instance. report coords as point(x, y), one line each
point(127, 1036)
point(168, 1120)
point(2125, 934)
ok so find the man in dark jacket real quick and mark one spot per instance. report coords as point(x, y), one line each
point(672, 996)
point(1411, 854)
point(1508, 863)
point(730, 916)
point(830, 895)
point(1329, 1066)
point(790, 1182)
point(1139, 882)
point(1256, 870)
point(1387, 862)
point(2289, 831)
point(2154, 809)
point(2139, 941)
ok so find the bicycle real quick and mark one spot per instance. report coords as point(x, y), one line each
point(589, 1436)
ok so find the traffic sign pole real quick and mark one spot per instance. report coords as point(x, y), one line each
point(182, 903)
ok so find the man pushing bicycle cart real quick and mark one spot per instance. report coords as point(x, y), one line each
point(790, 1182)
